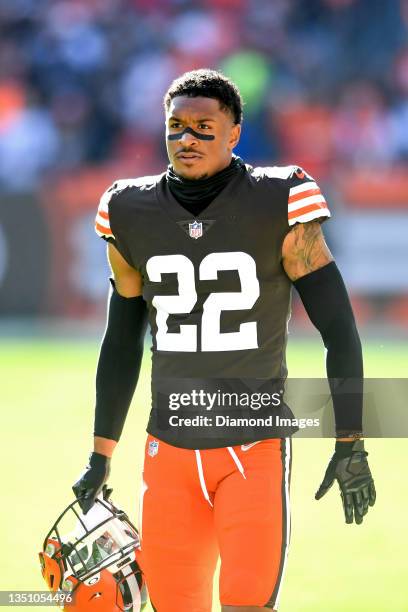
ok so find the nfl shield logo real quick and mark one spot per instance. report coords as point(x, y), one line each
point(153, 448)
point(195, 229)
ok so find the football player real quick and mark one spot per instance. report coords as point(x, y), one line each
point(208, 252)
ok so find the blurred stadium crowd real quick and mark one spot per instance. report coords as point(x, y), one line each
point(81, 81)
point(325, 84)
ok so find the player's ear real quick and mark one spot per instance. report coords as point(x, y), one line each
point(235, 135)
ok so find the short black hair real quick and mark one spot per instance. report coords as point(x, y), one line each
point(209, 84)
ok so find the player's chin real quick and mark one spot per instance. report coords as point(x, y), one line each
point(191, 169)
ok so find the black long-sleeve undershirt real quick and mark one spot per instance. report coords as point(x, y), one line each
point(119, 363)
point(326, 301)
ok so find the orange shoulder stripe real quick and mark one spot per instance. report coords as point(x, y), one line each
point(304, 194)
point(103, 230)
point(302, 211)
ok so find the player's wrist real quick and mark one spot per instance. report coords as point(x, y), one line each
point(349, 435)
point(345, 449)
point(104, 446)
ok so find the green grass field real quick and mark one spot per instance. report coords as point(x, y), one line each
point(47, 390)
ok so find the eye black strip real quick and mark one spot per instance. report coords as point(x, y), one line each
point(188, 130)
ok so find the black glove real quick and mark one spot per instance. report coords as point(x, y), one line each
point(90, 483)
point(349, 467)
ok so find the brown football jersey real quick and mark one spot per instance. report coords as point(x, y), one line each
point(217, 294)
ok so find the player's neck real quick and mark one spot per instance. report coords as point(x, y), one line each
point(196, 195)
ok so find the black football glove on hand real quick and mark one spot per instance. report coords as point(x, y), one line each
point(91, 482)
point(349, 467)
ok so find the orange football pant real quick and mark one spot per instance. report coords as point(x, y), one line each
point(197, 505)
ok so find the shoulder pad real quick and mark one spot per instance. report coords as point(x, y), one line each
point(102, 223)
point(305, 200)
point(142, 182)
point(279, 172)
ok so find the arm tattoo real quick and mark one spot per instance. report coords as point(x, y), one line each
point(308, 246)
point(305, 250)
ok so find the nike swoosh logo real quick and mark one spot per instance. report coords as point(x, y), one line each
point(246, 447)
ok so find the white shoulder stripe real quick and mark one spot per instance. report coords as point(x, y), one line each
point(303, 187)
point(103, 203)
point(281, 172)
point(102, 221)
point(314, 199)
point(314, 214)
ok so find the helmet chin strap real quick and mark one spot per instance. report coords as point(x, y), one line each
point(189, 130)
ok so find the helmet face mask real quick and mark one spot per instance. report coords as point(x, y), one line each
point(96, 560)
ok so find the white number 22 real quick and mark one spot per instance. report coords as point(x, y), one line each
point(211, 337)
